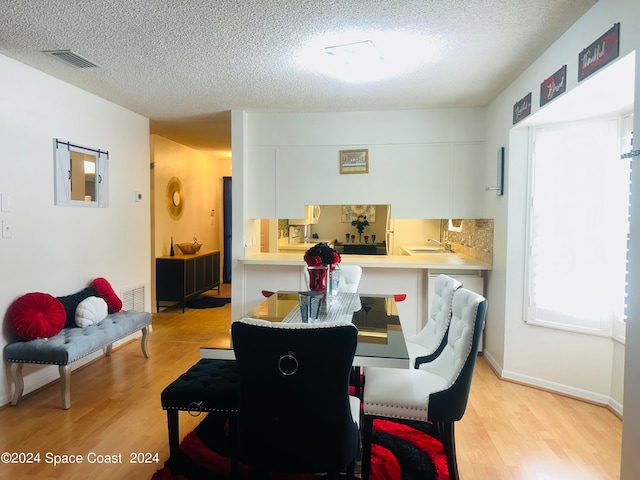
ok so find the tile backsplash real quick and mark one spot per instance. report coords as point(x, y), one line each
point(475, 238)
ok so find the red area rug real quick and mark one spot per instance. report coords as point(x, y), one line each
point(400, 451)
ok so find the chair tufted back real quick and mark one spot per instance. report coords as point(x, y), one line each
point(456, 362)
point(350, 276)
point(295, 412)
point(431, 336)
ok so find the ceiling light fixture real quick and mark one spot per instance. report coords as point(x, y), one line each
point(358, 53)
point(359, 56)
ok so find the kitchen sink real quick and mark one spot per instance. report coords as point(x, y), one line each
point(429, 250)
point(422, 249)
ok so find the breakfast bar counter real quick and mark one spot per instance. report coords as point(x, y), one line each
point(381, 274)
point(437, 260)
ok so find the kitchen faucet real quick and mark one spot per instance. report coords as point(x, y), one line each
point(446, 246)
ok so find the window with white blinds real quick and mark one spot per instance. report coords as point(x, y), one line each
point(578, 225)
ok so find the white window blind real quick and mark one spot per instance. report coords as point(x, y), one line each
point(578, 224)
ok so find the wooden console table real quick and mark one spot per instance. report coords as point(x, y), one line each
point(181, 277)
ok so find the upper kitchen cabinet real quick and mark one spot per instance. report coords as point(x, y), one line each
point(467, 181)
point(311, 176)
point(262, 182)
point(416, 179)
point(311, 216)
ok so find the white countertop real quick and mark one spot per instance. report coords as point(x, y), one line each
point(302, 247)
point(440, 261)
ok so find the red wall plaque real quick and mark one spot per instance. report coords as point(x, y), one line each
point(554, 86)
point(599, 53)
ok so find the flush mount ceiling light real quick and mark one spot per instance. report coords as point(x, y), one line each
point(360, 56)
point(358, 53)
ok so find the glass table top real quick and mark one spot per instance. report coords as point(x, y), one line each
point(380, 338)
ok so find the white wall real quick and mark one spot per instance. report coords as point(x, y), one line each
point(587, 361)
point(59, 250)
point(578, 363)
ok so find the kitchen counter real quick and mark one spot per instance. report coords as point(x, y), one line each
point(438, 261)
point(381, 274)
point(286, 247)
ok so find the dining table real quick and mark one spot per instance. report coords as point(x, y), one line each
point(380, 338)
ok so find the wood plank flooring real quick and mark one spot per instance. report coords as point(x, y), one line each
point(509, 431)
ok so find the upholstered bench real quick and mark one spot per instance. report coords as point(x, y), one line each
point(72, 344)
point(208, 386)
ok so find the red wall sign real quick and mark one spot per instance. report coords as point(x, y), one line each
point(554, 86)
point(599, 53)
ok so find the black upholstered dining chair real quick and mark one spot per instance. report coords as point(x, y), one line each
point(295, 412)
point(438, 390)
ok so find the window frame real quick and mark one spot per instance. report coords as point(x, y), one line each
point(614, 329)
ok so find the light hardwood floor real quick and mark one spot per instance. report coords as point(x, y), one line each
point(509, 431)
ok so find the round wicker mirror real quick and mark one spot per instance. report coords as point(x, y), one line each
point(175, 198)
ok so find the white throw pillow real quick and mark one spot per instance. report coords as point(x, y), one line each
point(90, 311)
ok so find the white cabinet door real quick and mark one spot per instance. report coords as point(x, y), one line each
point(262, 182)
point(306, 177)
point(311, 216)
point(467, 181)
point(420, 175)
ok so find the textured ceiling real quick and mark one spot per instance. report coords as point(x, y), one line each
point(185, 63)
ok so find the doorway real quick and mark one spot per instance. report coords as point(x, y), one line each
point(226, 201)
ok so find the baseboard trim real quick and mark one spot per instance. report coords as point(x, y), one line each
point(572, 392)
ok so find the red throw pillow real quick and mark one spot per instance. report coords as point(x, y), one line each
point(37, 315)
point(104, 289)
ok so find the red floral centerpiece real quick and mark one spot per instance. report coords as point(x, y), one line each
point(320, 259)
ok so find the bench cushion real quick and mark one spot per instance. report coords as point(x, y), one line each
point(104, 289)
point(91, 310)
point(71, 302)
point(74, 343)
point(36, 315)
point(209, 385)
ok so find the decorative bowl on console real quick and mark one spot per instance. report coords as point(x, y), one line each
point(189, 248)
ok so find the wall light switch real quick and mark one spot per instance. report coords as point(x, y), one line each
point(138, 196)
point(5, 202)
point(7, 230)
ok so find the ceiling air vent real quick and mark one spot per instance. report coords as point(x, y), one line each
point(70, 58)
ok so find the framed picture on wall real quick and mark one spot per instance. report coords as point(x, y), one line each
point(354, 161)
point(351, 212)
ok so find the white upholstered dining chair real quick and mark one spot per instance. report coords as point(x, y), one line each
point(431, 339)
point(438, 391)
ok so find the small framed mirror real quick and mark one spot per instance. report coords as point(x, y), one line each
point(81, 175)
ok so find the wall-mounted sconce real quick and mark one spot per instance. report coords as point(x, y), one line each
point(499, 188)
